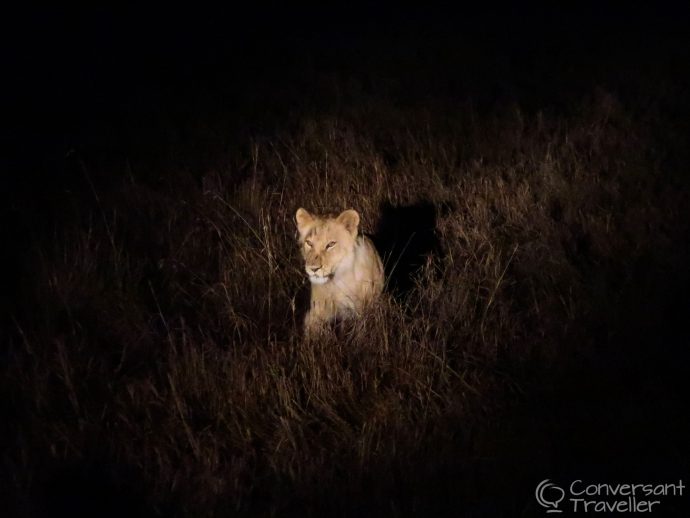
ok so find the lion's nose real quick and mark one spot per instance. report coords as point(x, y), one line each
point(314, 269)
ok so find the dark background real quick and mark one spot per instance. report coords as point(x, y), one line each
point(91, 77)
point(136, 91)
point(148, 89)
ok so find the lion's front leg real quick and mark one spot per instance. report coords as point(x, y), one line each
point(321, 312)
point(314, 324)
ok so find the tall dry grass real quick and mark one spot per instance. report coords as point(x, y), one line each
point(159, 367)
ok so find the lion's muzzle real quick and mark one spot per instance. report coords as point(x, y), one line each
point(317, 275)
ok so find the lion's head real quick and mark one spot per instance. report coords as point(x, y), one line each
point(327, 243)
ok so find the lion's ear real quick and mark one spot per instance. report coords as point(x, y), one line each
point(304, 221)
point(350, 220)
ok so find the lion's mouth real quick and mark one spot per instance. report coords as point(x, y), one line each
point(320, 279)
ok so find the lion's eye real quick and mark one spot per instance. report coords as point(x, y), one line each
point(330, 245)
point(308, 243)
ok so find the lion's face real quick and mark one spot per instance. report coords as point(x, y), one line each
point(327, 244)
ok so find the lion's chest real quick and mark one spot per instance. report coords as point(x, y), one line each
point(334, 298)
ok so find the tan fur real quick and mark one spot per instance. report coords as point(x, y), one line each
point(344, 268)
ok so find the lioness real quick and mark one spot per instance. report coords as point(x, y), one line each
point(344, 268)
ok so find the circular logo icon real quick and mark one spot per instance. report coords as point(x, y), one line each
point(549, 495)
